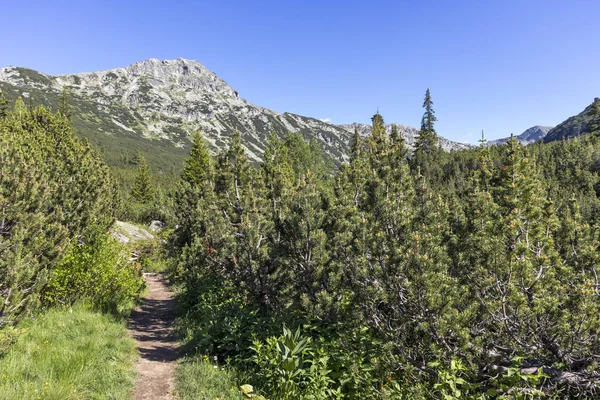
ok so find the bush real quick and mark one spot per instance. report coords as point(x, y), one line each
point(97, 271)
point(53, 186)
point(151, 253)
point(215, 321)
point(289, 367)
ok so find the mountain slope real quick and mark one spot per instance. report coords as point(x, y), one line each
point(153, 106)
point(530, 136)
point(576, 125)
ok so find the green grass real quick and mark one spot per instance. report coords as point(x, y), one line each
point(69, 354)
point(198, 379)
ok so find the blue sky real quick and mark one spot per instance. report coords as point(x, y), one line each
point(498, 66)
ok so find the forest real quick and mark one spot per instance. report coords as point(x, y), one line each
point(396, 275)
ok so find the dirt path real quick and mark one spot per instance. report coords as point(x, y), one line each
point(150, 326)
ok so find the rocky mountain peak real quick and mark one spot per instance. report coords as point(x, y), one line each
point(165, 101)
point(529, 136)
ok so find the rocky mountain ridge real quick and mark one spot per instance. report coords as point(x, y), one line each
point(161, 102)
point(530, 136)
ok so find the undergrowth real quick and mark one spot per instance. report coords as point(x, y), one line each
point(69, 353)
point(200, 377)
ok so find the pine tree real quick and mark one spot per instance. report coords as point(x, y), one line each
point(395, 135)
point(357, 144)
point(54, 189)
point(427, 140)
point(303, 248)
point(195, 185)
point(594, 123)
point(378, 140)
point(240, 224)
point(197, 167)
point(64, 105)
point(277, 172)
point(3, 105)
point(517, 274)
point(143, 188)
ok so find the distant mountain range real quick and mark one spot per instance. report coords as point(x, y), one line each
point(155, 105)
point(530, 136)
point(584, 122)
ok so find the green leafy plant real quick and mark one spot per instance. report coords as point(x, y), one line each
point(517, 384)
point(290, 368)
point(451, 381)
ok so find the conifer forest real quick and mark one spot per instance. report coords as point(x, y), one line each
point(392, 274)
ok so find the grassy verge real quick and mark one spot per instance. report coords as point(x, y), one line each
point(69, 354)
point(199, 379)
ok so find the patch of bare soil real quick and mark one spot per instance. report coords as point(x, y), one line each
point(151, 326)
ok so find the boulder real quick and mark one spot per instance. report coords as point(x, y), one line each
point(157, 226)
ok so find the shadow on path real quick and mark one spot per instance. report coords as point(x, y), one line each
point(151, 326)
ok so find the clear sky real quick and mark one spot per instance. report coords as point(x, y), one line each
point(496, 65)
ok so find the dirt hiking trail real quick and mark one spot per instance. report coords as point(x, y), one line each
point(151, 326)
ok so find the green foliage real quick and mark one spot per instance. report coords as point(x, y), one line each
point(514, 383)
point(291, 368)
point(64, 107)
point(451, 385)
point(8, 335)
point(427, 139)
point(143, 188)
point(197, 166)
point(69, 353)
point(4, 108)
point(195, 184)
point(199, 378)
point(152, 255)
point(418, 278)
point(53, 187)
point(97, 272)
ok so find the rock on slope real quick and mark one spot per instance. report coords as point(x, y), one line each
point(530, 136)
point(163, 102)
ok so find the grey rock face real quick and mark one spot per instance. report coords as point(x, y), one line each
point(126, 232)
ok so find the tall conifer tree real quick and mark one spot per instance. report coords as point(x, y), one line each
point(197, 167)
point(143, 188)
point(3, 105)
point(427, 140)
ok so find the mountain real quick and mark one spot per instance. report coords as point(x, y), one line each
point(153, 106)
point(583, 122)
point(530, 136)
point(409, 134)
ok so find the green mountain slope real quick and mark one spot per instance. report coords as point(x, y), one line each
point(584, 122)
